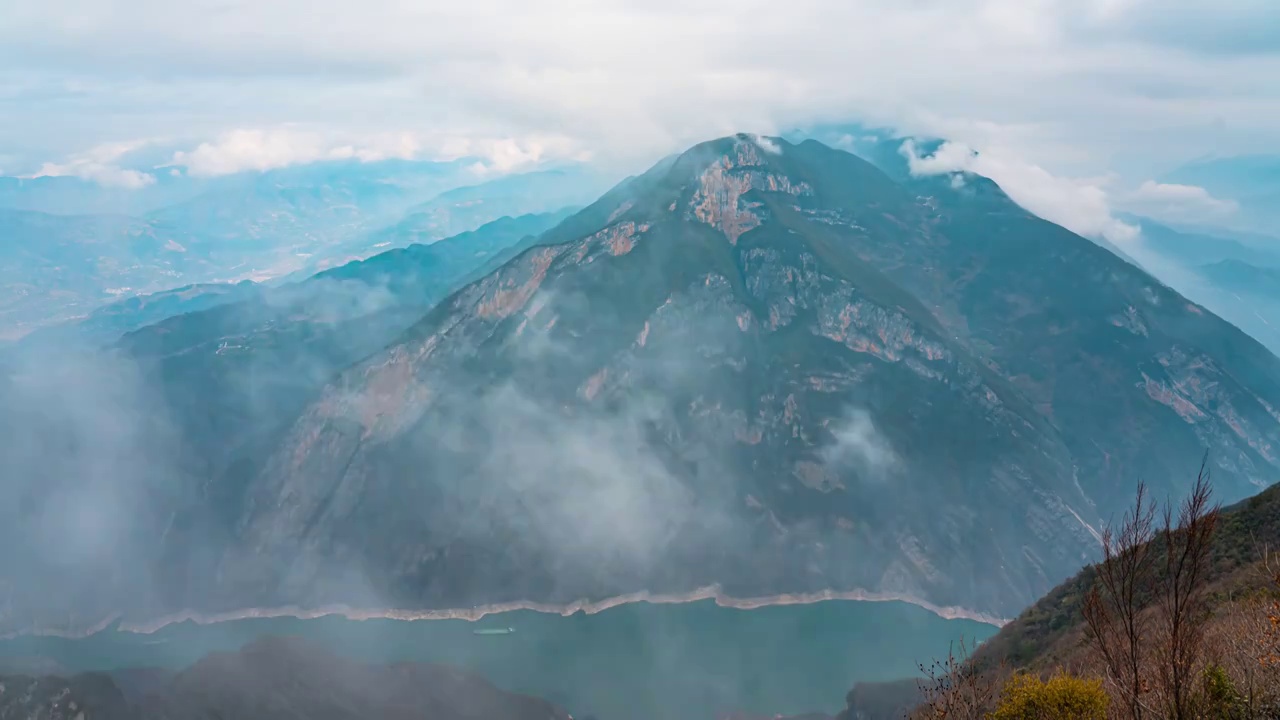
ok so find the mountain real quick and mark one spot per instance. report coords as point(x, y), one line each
point(234, 371)
point(466, 208)
point(415, 272)
point(762, 365)
point(272, 679)
point(1190, 248)
point(439, 263)
point(1252, 297)
point(55, 267)
point(280, 225)
point(1050, 634)
point(152, 421)
point(108, 323)
point(291, 218)
point(745, 368)
point(1222, 273)
point(1240, 277)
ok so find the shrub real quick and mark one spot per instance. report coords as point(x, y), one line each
point(1061, 697)
point(1221, 699)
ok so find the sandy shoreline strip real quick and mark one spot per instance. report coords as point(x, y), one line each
point(711, 592)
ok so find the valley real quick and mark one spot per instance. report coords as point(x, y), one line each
point(695, 660)
point(762, 423)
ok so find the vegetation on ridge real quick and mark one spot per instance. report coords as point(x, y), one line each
point(1180, 620)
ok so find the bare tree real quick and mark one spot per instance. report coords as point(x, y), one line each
point(956, 688)
point(1233, 640)
point(1181, 604)
point(1113, 606)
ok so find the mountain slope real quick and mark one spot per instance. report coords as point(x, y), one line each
point(1047, 633)
point(746, 368)
point(1051, 633)
point(163, 421)
point(108, 323)
point(235, 371)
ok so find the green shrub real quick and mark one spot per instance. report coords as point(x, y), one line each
point(1221, 699)
point(1061, 697)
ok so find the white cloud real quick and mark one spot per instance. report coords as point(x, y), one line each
point(1177, 203)
point(766, 144)
point(1078, 204)
point(505, 155)
point(1086, 75)
point(259, 149)
point(99, 164)
point(859, 444)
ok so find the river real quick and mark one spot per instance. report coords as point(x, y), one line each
point(636, 660)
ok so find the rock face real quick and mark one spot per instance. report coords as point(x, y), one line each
point(775, 371)
point(275, 679)
point(765, 366)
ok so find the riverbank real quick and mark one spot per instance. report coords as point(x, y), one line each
point(588, 607)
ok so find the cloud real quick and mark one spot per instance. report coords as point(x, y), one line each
point(766, 144)
point(259, 149)
point(1177, 203)
point(1084, 74)
point(99, 164)
point(499, 156)
point(1078, 204)
point(858, 443)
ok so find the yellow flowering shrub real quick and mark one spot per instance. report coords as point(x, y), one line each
point(1061, 697)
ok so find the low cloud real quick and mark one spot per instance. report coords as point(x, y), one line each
point(766, 144)
point(100, 165)
point(1079, 204)
point(500, 156)
point(1177, 203)
point(1130, 80)
point(262, 149)
point(860, 445)
point(267, 149)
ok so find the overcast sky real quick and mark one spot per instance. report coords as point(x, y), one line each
point(1083, 88)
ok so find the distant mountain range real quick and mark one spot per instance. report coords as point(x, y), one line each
point(1241, 277)
point(1226, 272)
point(763, 365)
point(63, 256)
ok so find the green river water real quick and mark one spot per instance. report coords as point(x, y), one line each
point(641, 660)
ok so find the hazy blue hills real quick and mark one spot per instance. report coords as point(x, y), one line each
point(64, 256)
point(1241, 277)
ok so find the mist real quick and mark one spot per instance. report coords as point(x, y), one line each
point(92, 476)
point(860, 445)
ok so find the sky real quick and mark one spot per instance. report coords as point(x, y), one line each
point(1111, 93)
